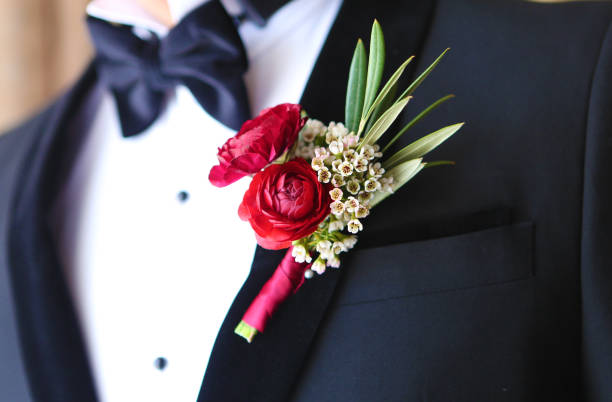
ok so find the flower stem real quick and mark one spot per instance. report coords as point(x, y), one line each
point(246, 331)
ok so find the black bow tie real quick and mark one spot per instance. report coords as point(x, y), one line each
point(203, 52)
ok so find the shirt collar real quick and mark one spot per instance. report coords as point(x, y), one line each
point(130, 13)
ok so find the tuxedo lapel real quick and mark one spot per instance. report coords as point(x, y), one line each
point(267, 369)
point(52, 346)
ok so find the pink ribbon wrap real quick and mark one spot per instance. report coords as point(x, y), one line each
point(285, 281)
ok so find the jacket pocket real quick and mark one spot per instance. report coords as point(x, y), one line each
point(481, 258)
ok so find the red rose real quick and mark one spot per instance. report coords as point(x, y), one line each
point(259, 142)
point(285, 203)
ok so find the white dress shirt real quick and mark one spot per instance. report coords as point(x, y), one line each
point(153, 275)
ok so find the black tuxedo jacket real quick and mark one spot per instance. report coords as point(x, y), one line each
point(487, 281)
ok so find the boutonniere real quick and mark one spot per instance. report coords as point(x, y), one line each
point(313, 185)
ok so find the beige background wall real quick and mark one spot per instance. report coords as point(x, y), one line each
point(44, 45)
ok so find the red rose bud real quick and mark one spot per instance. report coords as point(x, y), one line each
point(285, 202)
point(259, 142)
point(285, 281)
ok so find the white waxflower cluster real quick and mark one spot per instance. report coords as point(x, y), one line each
point(355, 174)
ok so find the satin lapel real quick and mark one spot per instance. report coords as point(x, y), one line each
point(52, 346)
point(267, 369)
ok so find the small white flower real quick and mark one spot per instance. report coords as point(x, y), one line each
point(336, 147)
point(321, 152)
point(364, 197)
point(386, 184)
point(353, 186)
point(312, 129)
point(318, 266)
point(335, 226)
point(336, 194)
point(351, 204)
point(336, 164)
point(323, 245)
point(376, 170)
point(349, 242)
point(368, 152)
point(337, 129)
point(338, 247)
point(338, 180)
point(377, 154)
point(350, 155)
point(300, 254)
point(350, 140)
point(317, 163)
point(362, 211)
point(324, 175)
point(345, 169)
point(361, 165)
point(308, 135)
point(354, 226)
point(346, 216)
point(333, 262)
point(305, 151)
point(337, 207)
point(371, 185)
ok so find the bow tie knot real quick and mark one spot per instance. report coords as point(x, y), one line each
point(203, 52)
point(152, 68)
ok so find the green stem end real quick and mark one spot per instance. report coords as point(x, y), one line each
point(246, 331)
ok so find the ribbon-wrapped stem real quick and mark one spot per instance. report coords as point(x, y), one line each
point(285, 281)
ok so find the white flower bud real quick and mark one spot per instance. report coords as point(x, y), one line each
point(350, 140)
point(362, 211)
point(364, 197)
point(321, 152)
point(335, 226)
point(318, 266)
point(386, 184)
point(345, 169)
point(317, 163)
point(376, 170)
point(300, 254)
point(361, 165)
point(324, 175)
point(371, 185)
point(368, 152)
point(376, 148)
point(354, 226)
point(338, 180)
point(308, 135)
point(336, 194)
point(336, 147)
point(336, 164)
point(337, 207)
point(323, 245)
point(351, 204)
point(333, 262)
point(353, 186)
point(349, 242)
point(350, 155)
point(338, 247)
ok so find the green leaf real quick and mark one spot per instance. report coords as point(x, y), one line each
point(401, 174)
point(416, 120)
point(423, 75)
point(381, 107)
point(386, 96)
point(438, 163)
point(376, 64)
point(355, 90)
point(384, 122)
point(421, 146)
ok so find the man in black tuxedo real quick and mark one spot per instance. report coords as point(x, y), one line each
point(487, 281)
